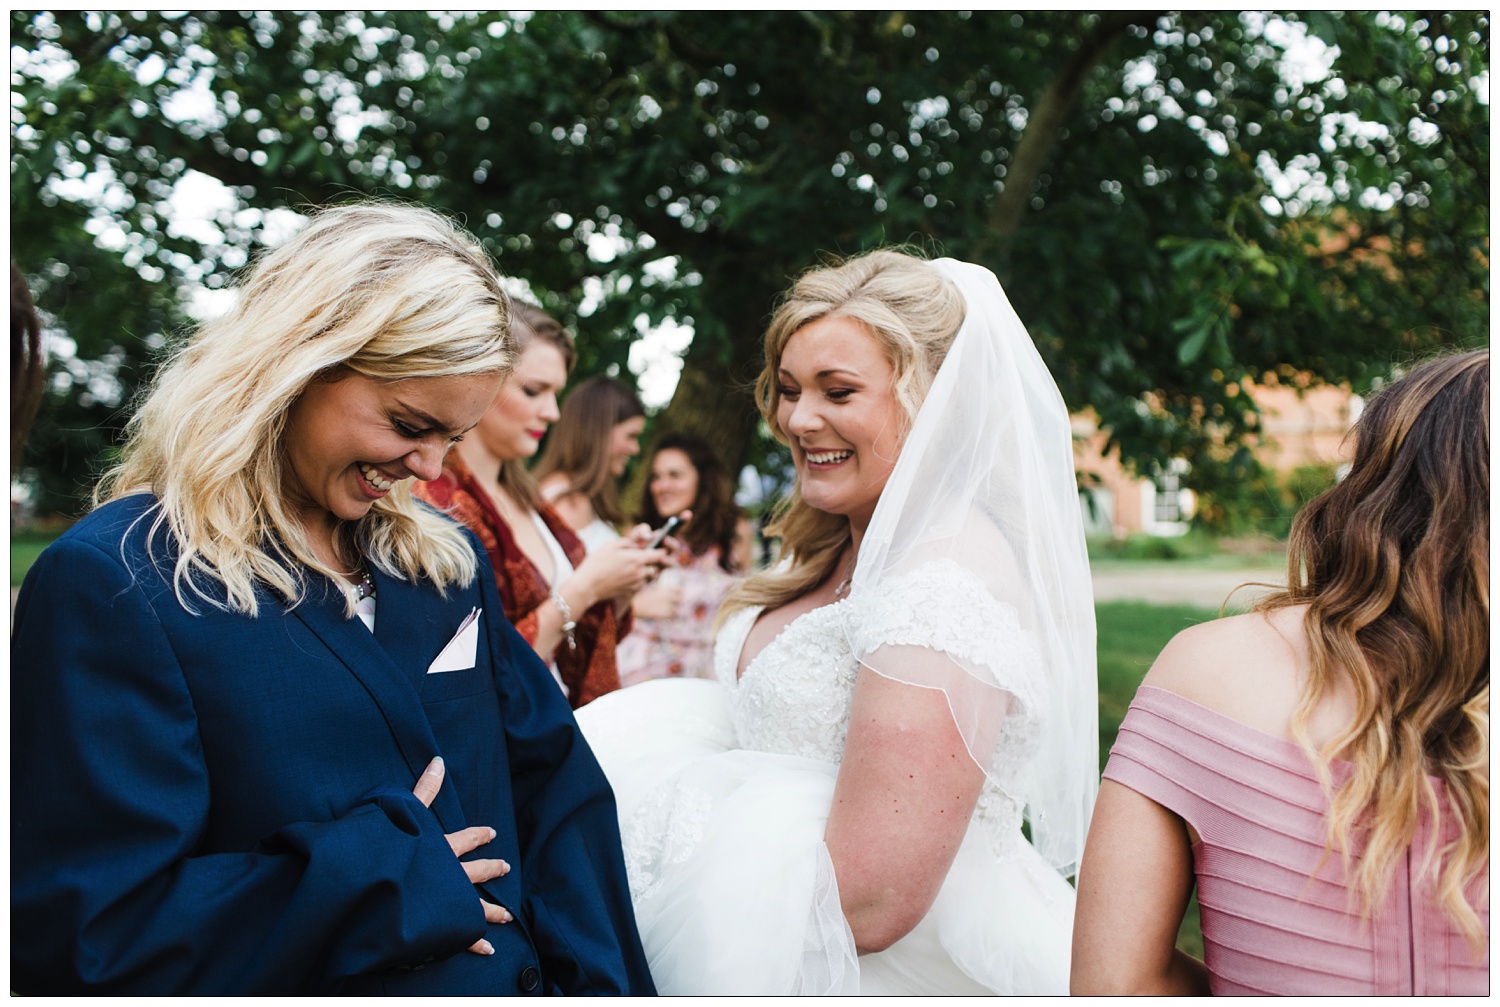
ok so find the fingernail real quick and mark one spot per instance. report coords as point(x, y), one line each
point(493, 834)
point(485, 947)
point(438, 759)
point(504, 867)
point(508, 916)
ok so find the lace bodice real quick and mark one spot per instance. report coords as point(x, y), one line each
point(794, 696)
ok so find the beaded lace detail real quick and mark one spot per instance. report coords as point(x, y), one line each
point(795, 695)
point(661, 834)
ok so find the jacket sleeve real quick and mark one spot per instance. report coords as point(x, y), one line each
point(112, 891)
point(577, 896)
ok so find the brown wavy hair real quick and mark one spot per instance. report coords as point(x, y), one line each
point(715, 516)
point(914, 313)
point(578, 445)
point(1393, 566)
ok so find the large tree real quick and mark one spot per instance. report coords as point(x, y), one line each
point(1176, 202)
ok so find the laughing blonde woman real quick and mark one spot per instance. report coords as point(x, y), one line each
point(271, 732)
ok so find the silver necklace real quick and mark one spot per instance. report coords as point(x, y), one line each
point(844, 585)
point(365, 588)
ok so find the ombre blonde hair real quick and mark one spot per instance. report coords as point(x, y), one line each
point(1393, 566)
point(914, 313)
point(384, 290)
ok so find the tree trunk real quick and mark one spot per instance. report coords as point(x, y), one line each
point(714, 398)
point(1050, 111)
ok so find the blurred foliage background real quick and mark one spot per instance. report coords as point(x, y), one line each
point(1176, 202)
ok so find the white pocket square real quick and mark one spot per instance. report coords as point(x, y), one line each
point(458, 655)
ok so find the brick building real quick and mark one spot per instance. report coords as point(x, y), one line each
point(1300, 427)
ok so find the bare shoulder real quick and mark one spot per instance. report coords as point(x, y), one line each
point(1249, 667)
point(574, 508)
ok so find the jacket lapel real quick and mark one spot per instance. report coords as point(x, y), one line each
point(408, 626)
point(389, 685)
point(412, 627)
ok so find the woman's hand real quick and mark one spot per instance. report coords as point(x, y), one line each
point(464, 841)
point(643, 536)
point(613, 572)
point(618, 568)
point(659, 601)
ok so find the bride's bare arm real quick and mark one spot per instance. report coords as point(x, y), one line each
point(905, 792)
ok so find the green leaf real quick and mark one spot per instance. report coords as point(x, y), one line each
point(1191, 348)
point(1124, 284)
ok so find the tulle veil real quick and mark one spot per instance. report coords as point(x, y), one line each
point(985, 481)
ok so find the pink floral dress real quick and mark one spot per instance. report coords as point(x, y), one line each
point(682, 646)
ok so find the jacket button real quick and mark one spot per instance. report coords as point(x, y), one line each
point(529, 978)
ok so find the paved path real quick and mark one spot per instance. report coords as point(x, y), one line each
point(1160, 584)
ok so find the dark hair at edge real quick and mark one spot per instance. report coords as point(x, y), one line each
point(715, 515)
point(28, 368)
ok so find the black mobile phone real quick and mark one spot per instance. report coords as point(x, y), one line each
point(663, 532)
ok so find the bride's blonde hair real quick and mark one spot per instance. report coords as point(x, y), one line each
point(384, 290)
point(914, 313)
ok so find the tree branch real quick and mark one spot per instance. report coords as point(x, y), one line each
point(1047, 116)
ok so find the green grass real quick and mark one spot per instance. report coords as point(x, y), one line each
point(1131, 634)
point(1195, 550)
point(25, 547)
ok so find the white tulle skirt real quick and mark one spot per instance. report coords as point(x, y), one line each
point(734, 889)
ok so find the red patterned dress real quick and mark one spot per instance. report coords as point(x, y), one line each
point(588, 672)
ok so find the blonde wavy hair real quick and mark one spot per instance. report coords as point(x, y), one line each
point(1393, 566)
point(384, 290)
point(914, 313)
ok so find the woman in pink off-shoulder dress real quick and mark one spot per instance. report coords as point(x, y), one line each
point(1319, 768)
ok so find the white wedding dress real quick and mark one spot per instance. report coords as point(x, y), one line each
point(724, 789)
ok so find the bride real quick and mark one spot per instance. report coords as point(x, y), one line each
point(842, 811)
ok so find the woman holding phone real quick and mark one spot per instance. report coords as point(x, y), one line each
point(674, 617)
point(570, 603)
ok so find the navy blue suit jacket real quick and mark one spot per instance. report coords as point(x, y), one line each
point(212, 803)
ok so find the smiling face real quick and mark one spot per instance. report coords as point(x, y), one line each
point(674, 482)
point(624, 443)
point(349, 439)
point(526, 406)
point(838, 409)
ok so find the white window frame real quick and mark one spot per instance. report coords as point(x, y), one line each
point(1184, 501)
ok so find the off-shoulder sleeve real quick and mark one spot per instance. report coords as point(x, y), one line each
point(1154, 756)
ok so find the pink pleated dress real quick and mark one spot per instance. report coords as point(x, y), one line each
point(1273, 921)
